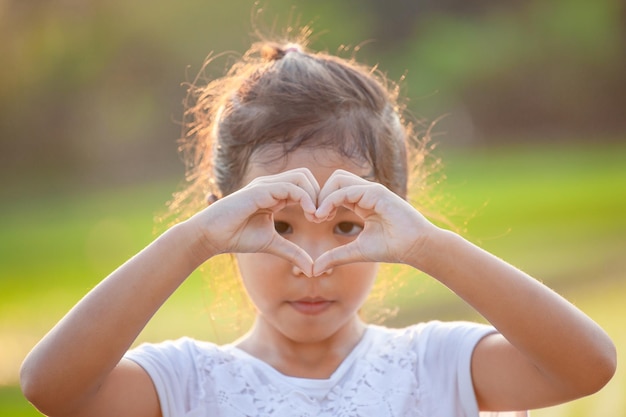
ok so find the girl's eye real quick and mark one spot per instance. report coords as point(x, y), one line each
point(348, 229)
point(282, 228)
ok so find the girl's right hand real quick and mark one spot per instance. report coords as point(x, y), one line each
point(243, 222)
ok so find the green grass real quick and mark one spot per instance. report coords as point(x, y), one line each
point(558, 213)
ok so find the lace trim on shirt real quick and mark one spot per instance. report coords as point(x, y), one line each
point(243, 391)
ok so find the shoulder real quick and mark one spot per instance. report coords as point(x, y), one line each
point(179, 356)
point(185, 372)
point(182, 346)
point(431, 332)
point(430, 346)
point(439, 354)
point(427, 343)
point(425, 366)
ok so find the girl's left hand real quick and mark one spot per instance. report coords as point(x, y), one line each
point(394, 231)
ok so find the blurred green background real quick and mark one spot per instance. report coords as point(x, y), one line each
point(533, 140)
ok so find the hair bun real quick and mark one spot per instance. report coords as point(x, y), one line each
point(274, 51)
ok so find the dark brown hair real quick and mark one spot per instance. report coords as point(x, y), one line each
point(281, 94)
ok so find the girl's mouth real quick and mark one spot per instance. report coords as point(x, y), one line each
point(311, 306)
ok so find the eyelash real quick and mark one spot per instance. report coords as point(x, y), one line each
point(285, 228)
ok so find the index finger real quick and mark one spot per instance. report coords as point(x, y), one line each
point(302, 177)
point(339, 179)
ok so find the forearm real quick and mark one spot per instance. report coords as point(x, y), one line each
point(557, 337)
point(80, 351)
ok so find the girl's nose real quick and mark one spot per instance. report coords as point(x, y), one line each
point(314, 243)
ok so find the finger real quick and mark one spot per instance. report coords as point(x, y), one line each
point(363, 199)
point(339, 179)
point(302, 177)
point(274, 197)
point(311, 184)
point(291, 252)
point(353, 198)
point(341, 255)
point(327, 208)
point(293, 194)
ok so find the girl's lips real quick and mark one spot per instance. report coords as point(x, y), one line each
point(311, 306)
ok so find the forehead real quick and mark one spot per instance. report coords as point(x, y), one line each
point(320, 161)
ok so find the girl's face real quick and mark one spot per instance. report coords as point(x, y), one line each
point(292, 307)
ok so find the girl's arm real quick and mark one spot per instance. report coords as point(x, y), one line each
point(548, 352)
point(76, 369)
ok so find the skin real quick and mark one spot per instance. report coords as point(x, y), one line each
point(286, 334)
point(547, 351)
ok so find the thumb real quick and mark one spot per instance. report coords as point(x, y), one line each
point(291, 252)
point(341, 255)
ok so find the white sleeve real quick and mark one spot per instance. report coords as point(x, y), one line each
point(170, 365)
point(445, 352)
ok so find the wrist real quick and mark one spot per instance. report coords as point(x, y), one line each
point(190, 236)
point(433, 250)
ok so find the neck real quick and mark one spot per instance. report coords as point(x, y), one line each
point(315, 359)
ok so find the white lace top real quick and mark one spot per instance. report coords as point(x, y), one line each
point(422, 370)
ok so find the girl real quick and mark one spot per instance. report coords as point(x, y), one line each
point(306, 156)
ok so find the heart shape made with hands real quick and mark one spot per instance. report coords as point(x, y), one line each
point(336, 256)
point(385, 215)
point(340, 255)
